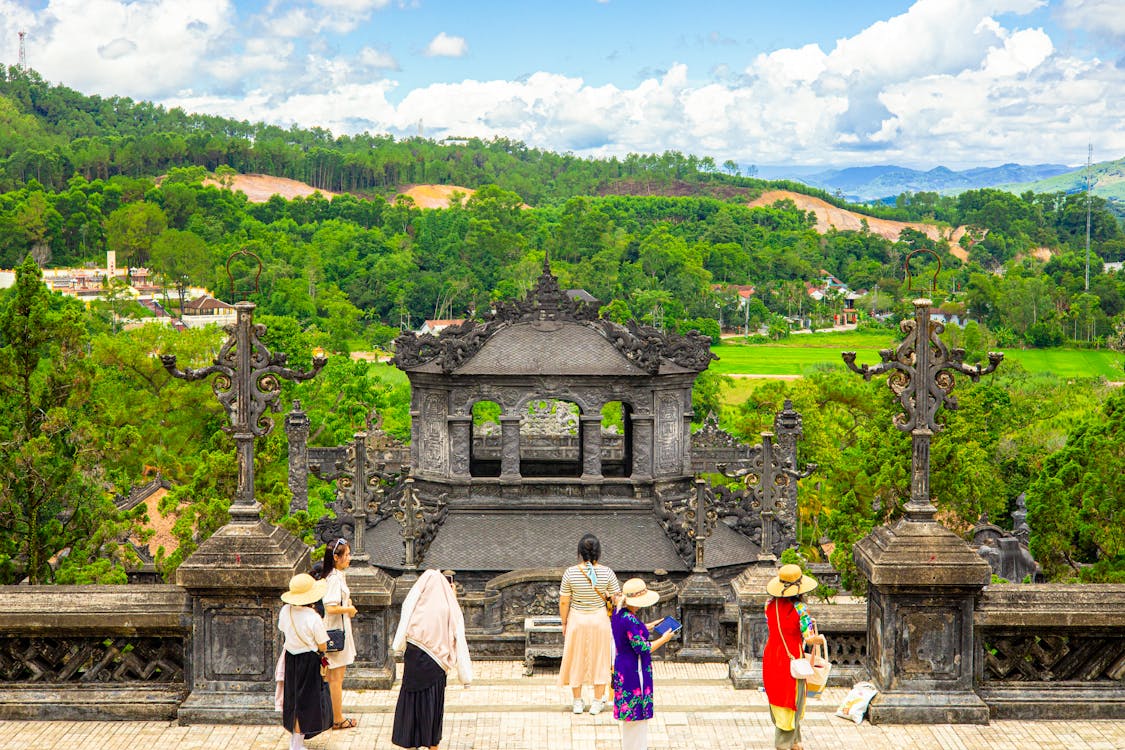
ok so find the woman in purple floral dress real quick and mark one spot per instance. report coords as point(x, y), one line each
point(632, 666)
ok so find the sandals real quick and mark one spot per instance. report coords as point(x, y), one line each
point(345, 724)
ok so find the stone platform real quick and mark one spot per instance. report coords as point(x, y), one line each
point(504, 710)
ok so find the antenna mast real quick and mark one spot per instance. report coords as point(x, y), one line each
point(22, 60)
point(1089, 160)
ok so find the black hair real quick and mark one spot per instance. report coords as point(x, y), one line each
point(589, 548)
point(332, 550)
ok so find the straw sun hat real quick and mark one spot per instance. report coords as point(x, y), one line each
point(637, 594)
point(304, 589)
point(790, 581)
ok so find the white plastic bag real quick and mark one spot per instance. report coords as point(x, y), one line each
point(855, 703)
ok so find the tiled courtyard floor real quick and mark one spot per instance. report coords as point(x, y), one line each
point(695, 708)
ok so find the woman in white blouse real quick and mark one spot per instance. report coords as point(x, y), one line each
point(338, 614)
point(304, 705)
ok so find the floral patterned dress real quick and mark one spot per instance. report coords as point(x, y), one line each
point(632, 668)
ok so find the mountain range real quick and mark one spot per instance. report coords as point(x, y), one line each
point(880, 182)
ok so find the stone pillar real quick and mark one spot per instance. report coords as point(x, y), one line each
point(749, 589)
point(642, 446)
point(701, 605)
point(509, 447)
point(460, 448)
point(236, 579)
point(297, 432)
point(374, 666)
point(591, 446)
point(923, 583)
point(685, 438)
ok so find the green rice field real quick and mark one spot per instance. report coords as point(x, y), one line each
point(800, 353)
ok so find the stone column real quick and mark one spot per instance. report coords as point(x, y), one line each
point(923, 583)
point(701, 605)
point(642, 446)
point(236, 579)
point(460, 448)
point(749, 588)
point(591, 447)
point(510, 447)
point(374, 666)
point(297, 431)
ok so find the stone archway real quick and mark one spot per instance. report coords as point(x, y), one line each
point(551, 438)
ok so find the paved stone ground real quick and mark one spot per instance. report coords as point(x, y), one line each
point(695, 708)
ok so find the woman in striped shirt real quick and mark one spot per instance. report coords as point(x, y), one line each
point(588, 641)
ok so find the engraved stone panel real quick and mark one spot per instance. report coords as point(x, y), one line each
point(238, 645)
point(669, 425)
point(435, 451)
point(930, 642)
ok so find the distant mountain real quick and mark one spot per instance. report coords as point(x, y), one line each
point(1108, 181)
point(872, 183)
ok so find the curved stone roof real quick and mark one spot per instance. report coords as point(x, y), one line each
point(551, 349)
point(551, 332)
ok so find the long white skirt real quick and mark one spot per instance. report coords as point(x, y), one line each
point(634, 735)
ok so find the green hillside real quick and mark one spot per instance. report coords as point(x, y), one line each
point(1108, 182)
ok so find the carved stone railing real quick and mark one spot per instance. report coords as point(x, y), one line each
point(94, 652)
point(1051, 651)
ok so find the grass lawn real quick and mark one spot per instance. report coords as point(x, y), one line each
point(797, 354)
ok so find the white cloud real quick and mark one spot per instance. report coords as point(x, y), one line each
point(444, 45)
point(955, 82)
point(1103, 17)
point(153, 46)
point(377, 59)
point(353, 6)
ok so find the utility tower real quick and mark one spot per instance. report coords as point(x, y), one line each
point(21, 62)
point(1089, 161)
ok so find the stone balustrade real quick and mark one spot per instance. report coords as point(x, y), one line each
point(116, 652)
point(1051, 651)
point(94, 652)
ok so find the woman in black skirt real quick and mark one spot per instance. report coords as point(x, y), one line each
point(431, 628)
point(306, 709)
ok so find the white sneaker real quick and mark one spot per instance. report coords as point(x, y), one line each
point(579, 706)
point(597, 706)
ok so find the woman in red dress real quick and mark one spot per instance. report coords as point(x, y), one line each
point(790, 628)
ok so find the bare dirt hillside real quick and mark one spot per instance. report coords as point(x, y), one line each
point(828, 216)
point(259, 188)
point(435, 196)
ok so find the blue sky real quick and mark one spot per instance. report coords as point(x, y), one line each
point(808, 82)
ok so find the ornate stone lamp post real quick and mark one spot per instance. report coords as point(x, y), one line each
point(700, 599)
point(247, 384)
point(923, 579)
point(237, 575)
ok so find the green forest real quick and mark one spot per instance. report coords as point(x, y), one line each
point(659, 238)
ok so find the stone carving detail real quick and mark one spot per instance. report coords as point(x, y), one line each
point(1007, 551)
point(669, 424)
point(91, 660)
point(434, 452)
point(549, 417)
point(528, 600)
point(644, 346)
point(847, 649)
point(765, 507)
point(1054, 658)
point(676, 514)
point(420, 518)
